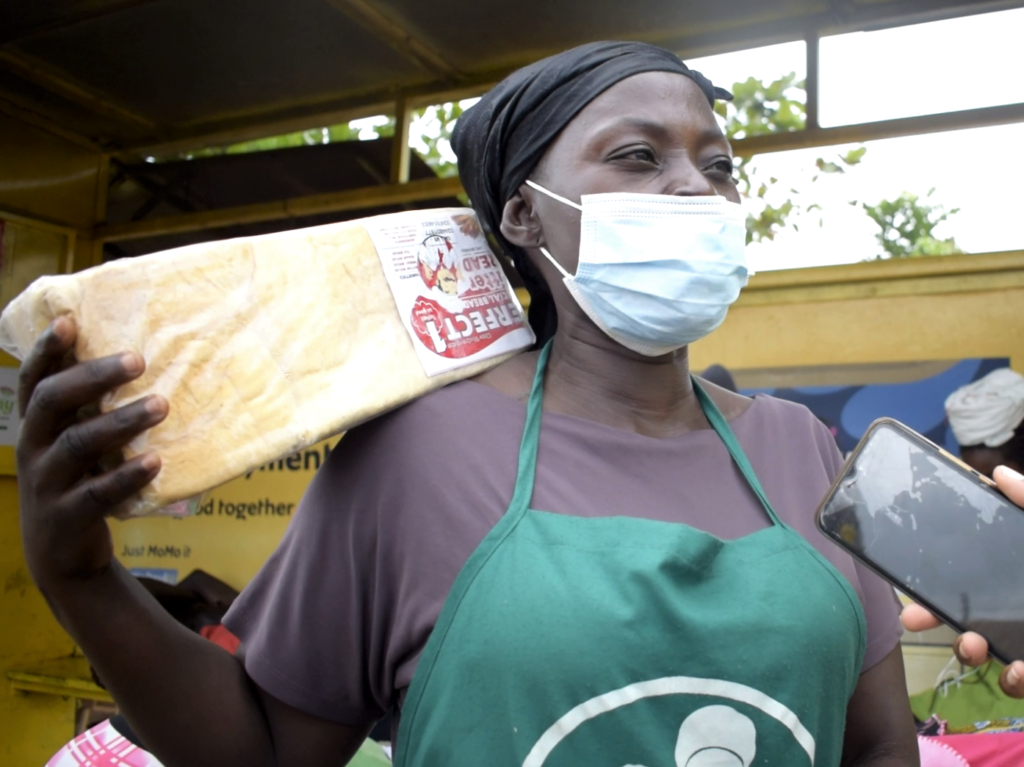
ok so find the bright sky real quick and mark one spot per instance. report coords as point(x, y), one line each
point(942, 66)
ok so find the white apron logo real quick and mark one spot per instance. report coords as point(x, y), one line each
point(714, 736)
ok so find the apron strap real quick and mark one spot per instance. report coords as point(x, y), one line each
point(725, 433)
point(531, 437)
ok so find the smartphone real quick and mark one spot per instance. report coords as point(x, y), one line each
point(937, 530)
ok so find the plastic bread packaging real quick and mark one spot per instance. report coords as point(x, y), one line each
point(266, 345)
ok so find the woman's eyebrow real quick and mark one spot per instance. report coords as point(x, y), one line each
point(627, 122)
point(655, 128)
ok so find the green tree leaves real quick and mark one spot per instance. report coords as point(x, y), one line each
point(435, 131)
point(906, 227)
point(759, 108)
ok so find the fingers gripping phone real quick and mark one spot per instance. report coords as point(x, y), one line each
point(936, 529)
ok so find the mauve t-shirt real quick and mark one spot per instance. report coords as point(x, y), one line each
point(336, 620)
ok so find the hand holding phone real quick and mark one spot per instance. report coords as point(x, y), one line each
point(971, 648)
point(936, 529)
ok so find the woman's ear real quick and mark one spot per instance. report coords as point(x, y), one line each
point(519, 223)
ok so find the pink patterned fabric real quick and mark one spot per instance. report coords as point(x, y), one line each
point(935, 754)
point(102, 746)
point(977, 750)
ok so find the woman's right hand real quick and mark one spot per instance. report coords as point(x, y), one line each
point(65, 497)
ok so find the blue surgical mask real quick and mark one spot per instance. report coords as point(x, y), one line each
point(656, 272)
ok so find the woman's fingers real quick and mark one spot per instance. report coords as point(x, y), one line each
point(57, 397)
point(1012, 680)
point(98, 495)
point(82, 445)
point(971, 648)
point(1010, 483)
point(64, 499)
point(916, 618)
point(44, 358)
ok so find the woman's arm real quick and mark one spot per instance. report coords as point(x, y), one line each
point(972, 648)
point(190, 702)
point(879, 725)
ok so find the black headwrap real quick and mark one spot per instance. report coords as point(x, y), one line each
point(500, 140)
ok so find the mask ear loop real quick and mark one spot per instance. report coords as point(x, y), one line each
point(561, 199)
point(554, 196)
point(557, 265)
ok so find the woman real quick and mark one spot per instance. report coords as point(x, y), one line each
point(608, 566)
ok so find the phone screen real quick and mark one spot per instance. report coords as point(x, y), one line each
point(936, 532)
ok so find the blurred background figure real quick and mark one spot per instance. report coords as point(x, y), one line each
point(986, 418)
point(720, 376)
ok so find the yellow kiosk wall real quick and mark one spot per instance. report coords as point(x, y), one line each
point(920, 309)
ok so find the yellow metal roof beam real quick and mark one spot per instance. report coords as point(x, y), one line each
point(348, 200)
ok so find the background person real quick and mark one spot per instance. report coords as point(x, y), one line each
point(719, 375)
point(986, 418)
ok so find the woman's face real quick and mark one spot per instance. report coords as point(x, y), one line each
point(653, 133)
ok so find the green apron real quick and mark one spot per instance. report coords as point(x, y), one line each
point(614, 641)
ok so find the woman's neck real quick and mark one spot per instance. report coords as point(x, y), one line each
point(591, 376)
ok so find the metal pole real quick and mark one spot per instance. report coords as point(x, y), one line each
point(400, 142)
point(811, 44)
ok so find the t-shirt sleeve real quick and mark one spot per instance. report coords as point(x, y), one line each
point(881, 605)
point(334, 621)
point(306, 619)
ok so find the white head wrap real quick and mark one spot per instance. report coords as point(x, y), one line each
point(987, 411)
